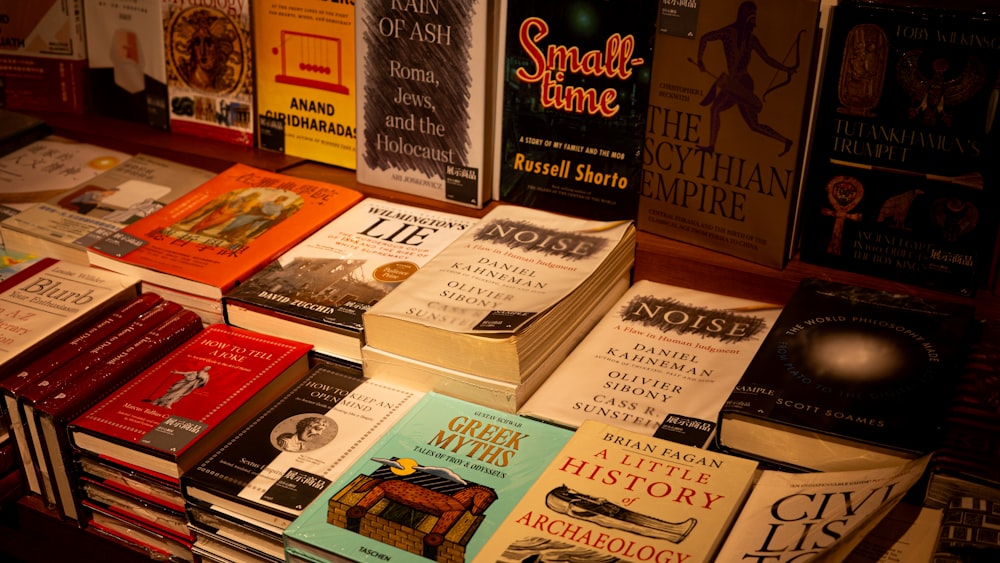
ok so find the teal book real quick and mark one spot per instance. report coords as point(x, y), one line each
point(436, 486)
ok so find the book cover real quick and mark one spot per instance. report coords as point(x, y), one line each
point(298, 445)
point(969, 531)
point(49, 167)
point(437, 485)
point(19, 129)
point(208, 51)
point(126, 66)
point(219, 234)
point(613, 494)
point(847, 378)
point(306, 80)
point(65, 225)
point(52, 414)
point(318, 290)
point(904, 157)
point(492, 299)
point(812, 516)
point(187, 403)
point(573, 88)
point(43, 56)
point(907, 533)
point(425, 97)
point(730, 95)
point(52, 299)
point(661, 361)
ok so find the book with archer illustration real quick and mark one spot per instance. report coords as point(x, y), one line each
point(903, 163)
point(729, 101)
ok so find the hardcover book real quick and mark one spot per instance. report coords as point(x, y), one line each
point(208, 50)
point(730, 95)
point(141, 512)
point(306, 92)
point(222, 232)
point(43, 54)
point(295, 447)
point(222, 535)
point(129, 481)
point(661, 362)
point(573, 88)
point(969, 531)
point(53, 413)
point(506, 292)
point(188, 403)
point(126, 66)
point(436, 485)
point(613, 494)
point(126, 532)
point(818, 516)
point(317, 291)
point(848, 378)
point(425, 91)
point(50, 167)
point(904, 157)
point(64, 226)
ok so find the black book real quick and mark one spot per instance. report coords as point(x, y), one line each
point(848, 378)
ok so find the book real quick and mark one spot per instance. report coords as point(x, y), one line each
point(13, 261)
point(53, 382)
point(305, 61)
point(63, 353)
point(573, 89)
point(18, 129)
point(186, 404)
point(50, 300)
point(296, 446)
point(143, 513)
point(53, 413)
point(816, 516)
point(731, 89)
point(64, 226)
point(661, 361)
point(222, 535)
point(848, 378)
point(904, 147)
point(222, 232)
point(423, 127)
point(123, 531)
point(43, 53)
point(505, 396)
point(497, 299)
point(617, 495)
point(907, 533)
point(209, 57)
point(969, 531)
point(965, 462)
point(49, 167)
point(126, 63)
point(129, 481)
point(318, 290)
point(436, 485)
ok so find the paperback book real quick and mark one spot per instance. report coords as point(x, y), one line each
point(280, 461)
point(318, 290)
point(573, 88)
point(188, 403)
point(208, 49)
point(499, 298)
point(64, 226)
point(904, 157)
point(219, 234)
point(613, 494)
point(437, 485)
point(126, 67)
point(731, 91)
point(305, 62)
point(661, 362)
point(848, 378)
point(425, 91)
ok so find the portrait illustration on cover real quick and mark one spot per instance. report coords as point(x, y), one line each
point(303, 433)
point(206, 50)
point(188, 382)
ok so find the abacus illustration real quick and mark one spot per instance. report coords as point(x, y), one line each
point(312, 61)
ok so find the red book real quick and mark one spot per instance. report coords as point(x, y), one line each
point(12, 384)
point(188, 403)
point(217, 235)
point(53, 413)
point(54, 381)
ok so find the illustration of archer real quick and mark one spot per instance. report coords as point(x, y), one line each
point(735, 86)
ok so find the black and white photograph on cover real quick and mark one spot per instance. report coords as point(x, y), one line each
point(303, 433)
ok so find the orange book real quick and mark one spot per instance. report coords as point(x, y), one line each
point(216, 236)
